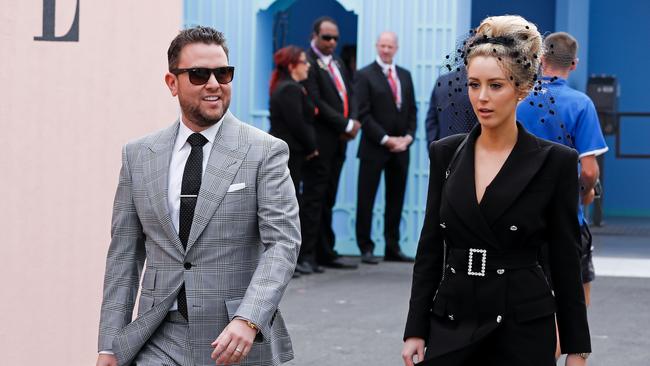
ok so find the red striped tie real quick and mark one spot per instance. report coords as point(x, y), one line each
point(340, 89)
point(393, 85)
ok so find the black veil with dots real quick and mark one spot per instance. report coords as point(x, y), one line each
point(454, 79)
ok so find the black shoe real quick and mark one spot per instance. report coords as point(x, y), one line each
point(368, 258)
point(316, 268)
point(398, 257)
point(304, 268)
point(339, 263)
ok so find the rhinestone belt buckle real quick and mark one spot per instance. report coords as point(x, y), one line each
point(470, 262)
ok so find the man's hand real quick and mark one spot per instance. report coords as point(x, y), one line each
point(588, 197)
point(234, 343)
point(355, 129)
point(402, 144)
point(106, 360)
point(391, 143)
point(347, 136)
point(412, 346)
point(312, 155)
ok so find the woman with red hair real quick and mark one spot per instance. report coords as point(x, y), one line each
point(291, 115)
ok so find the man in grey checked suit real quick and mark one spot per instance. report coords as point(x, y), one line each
point(213, 275)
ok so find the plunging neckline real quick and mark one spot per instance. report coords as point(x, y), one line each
point(480, 202)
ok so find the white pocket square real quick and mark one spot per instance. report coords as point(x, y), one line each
point(236, 187)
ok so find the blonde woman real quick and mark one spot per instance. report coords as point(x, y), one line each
point(479, 296)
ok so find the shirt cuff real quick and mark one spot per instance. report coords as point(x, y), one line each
point(106, 353)
point(349, 126)
point(384, 140)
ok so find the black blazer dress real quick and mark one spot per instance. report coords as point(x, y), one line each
point(492, 289)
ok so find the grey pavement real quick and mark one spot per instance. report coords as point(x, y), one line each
point(356, 317)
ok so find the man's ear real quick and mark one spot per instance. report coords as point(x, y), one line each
point(172, 83)
point(574, 64)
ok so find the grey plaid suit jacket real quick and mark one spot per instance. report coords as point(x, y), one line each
point(242, 247)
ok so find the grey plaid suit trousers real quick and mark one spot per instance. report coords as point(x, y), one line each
point(242, 247)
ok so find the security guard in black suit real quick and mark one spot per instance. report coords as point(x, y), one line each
point(388, 115)
point(329, 86)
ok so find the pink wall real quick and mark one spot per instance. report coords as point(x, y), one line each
point(66, 108)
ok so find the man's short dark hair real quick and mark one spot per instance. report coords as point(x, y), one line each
point(197, 34)
point(321, 20)
point(560, 49)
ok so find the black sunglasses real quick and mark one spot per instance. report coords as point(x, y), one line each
point(327, 37)
point(201, 75)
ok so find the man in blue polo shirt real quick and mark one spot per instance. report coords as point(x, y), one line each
point(559, 113)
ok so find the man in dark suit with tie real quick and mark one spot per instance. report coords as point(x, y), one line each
point(388, 115)
point(329, 86)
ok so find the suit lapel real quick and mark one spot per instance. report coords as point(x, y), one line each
point(156, 178)
point(325, 74)
point(404, 83)
point(379, 73)
point(460, 192)
point(525, 160)
point(226, 157)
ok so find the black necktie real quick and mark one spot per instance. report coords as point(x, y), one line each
point(189, 194)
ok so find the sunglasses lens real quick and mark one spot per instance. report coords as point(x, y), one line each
point(224, 75)
point(199, 76)
point(329, 38)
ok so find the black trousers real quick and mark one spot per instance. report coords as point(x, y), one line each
point(395, 174)
point(296, 162)
point(320, 178)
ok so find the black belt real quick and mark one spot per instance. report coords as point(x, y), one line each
point(479, 260)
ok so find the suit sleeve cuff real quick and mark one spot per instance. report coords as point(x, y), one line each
point(106, 353)
point(383, 140)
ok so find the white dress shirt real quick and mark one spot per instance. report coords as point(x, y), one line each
point(180, 153)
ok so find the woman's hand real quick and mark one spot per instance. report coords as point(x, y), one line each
point(412, 346)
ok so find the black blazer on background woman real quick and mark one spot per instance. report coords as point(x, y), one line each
point(510, 307)
point(292, 117)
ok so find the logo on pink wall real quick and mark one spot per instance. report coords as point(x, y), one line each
point(49, 15)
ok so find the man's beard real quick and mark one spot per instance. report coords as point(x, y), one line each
point(199, 118)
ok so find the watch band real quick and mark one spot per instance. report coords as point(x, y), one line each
point(252, 325)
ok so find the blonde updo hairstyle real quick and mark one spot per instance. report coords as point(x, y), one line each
point(515, 42)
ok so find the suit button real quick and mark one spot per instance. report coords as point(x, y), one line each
point(187, 265)
point(501, 271)
point(451, 316)
point(513, 228)
point(499, 318)
point(452, 270)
